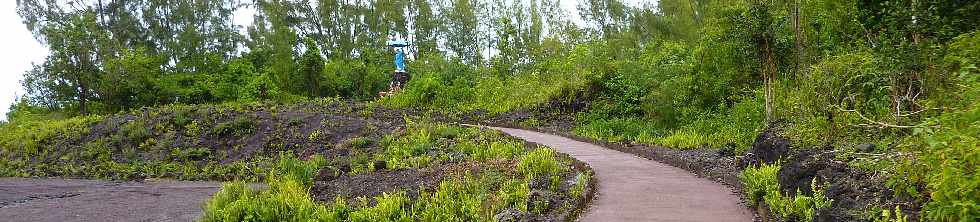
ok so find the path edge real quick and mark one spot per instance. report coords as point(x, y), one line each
point(655, 153)
point(592, 187)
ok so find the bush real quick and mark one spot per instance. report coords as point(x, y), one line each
point(286, 200)
point(241, 126)
point(944, 147)
point(539, 162)
point(761, 184)
point(31, 138)
point(292, 168)
point(949, 154)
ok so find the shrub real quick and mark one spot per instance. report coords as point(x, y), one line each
point(287, 199)
point(952, 152)
point(539, 162)
point(390, 207)
point(241, 126)
point(761, 184)
point(135, 131)
point(292, 168)
point(947, 147)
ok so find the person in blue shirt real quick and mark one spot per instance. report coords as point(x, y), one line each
point(399, 59)
point(400, 76)
point(399, 47)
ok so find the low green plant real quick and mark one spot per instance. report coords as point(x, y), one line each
point(481, 151)
point(286, 200)
point(539, 162)
point(190, 154)
point(760, 181)
point(389, 207)
point(241, 126)
point(314, 136)
point(97, 150)
point(581, 181)
point(193, 129)
point(465, 198)
point(891, 216)
point(514, 193)
point(761, 185)
point(361, 142)
point(292, 168)
point(135, 131)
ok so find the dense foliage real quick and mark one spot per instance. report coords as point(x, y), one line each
point(898, 75)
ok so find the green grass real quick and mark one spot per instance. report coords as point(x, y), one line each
point(734, 127)
point(287, 198)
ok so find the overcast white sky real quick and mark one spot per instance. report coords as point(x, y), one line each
point(20, 50)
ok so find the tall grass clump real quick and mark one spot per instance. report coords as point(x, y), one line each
point(539, 162)
point(287, 199)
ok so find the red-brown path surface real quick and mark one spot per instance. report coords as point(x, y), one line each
point(636, 189)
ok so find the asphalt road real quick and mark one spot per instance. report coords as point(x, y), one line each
point(36, 199)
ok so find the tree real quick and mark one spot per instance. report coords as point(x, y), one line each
point(424, 28)
point(272, 34)
point(86, 37)
point(462, 36)
point(603, 15)
point(311, 66)
point(70, 73)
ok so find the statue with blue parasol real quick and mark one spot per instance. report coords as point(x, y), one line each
point(400, 76)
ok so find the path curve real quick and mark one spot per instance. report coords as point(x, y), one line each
point(636, 189)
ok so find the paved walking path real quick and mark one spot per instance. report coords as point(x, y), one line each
point(636, 189)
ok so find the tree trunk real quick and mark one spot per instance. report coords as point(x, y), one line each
point(799, 38)
point(769, 75)
point(82, 97)
point(102, 15)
